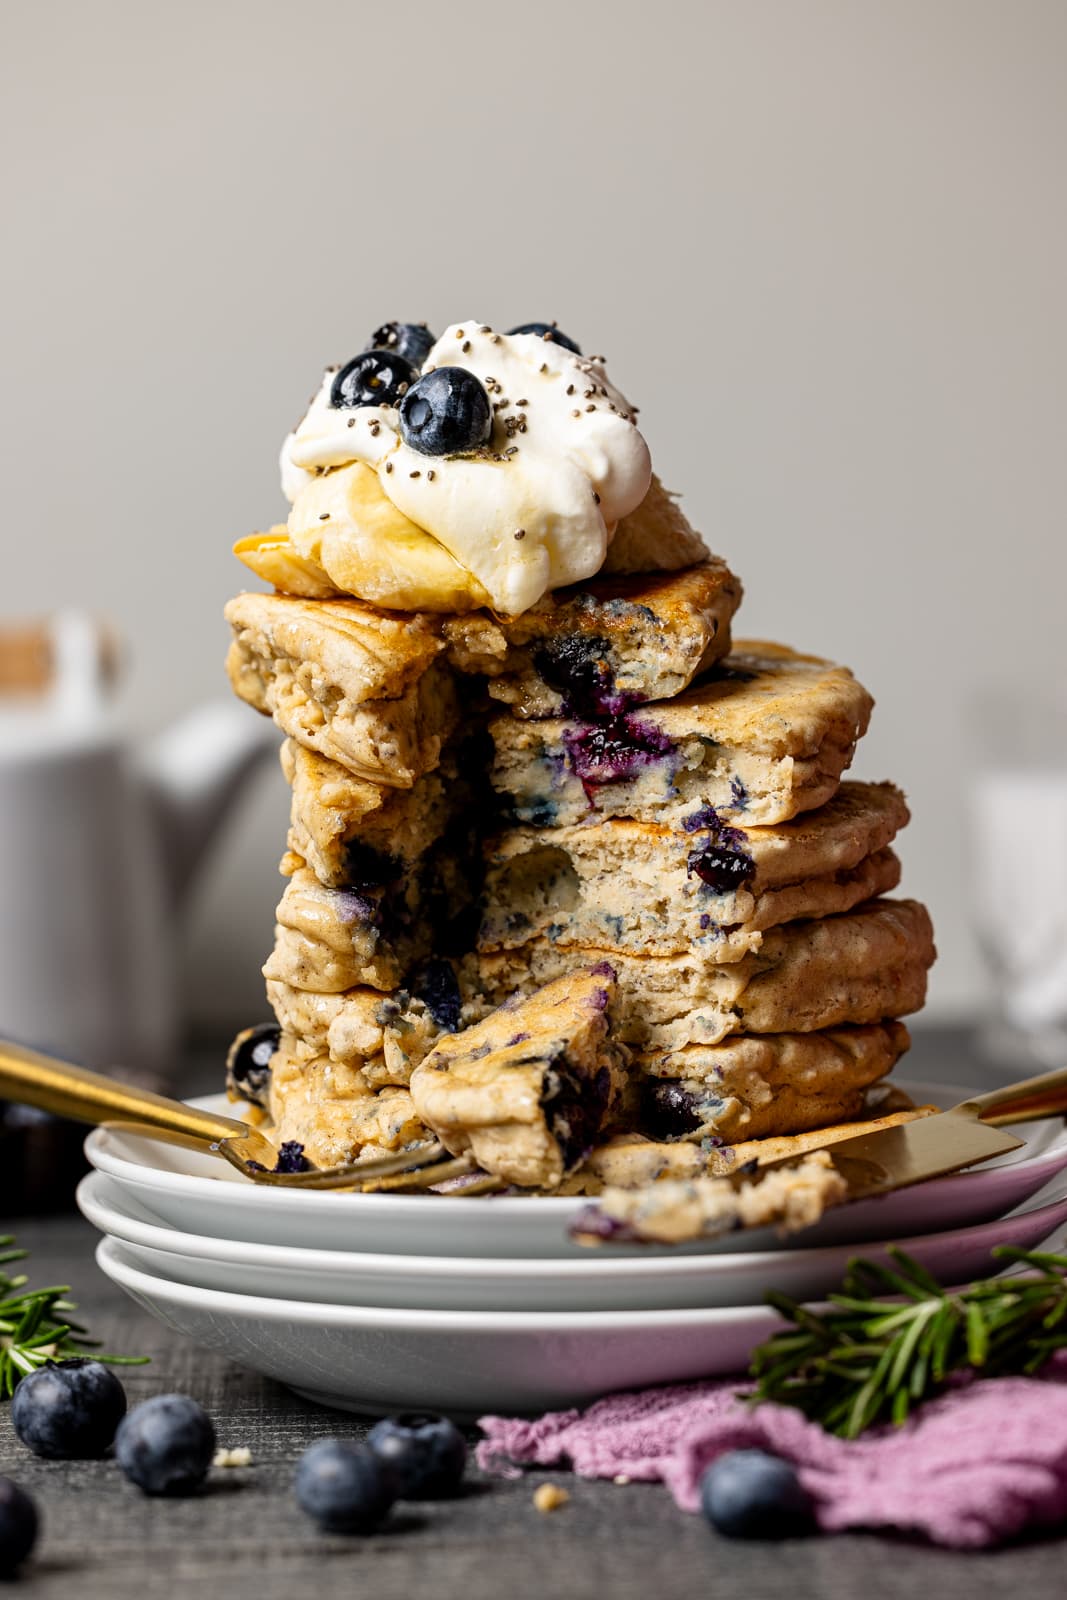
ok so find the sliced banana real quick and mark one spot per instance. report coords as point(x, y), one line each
point(344, 523)
point(271, 556)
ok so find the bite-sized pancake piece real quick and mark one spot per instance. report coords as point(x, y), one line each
point(765, 735)
point(657, 537)
point(755, 1085)
point(330, 1111)
point(529, 1090)
point(640, 886)
point(675, 1211)
point(273, 557)
point(329, 940)
point(363, 687)
point(353, 833)
point(862, 967)
point(631, 1161)
point(603, 646)
point(381, 1036)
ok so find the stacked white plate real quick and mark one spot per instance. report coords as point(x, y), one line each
point(383, 1302)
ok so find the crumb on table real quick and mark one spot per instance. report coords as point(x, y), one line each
point(549, 1497)
point(239, 1456)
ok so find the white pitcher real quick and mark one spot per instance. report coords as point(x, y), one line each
point(100, 844)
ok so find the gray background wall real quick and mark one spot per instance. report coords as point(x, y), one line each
point(822, 243)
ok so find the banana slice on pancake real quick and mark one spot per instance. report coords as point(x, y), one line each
point(343, 522)
point(272, 557)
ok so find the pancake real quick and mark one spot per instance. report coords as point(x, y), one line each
point(753, 1086)
point(861, 967)
point(657, 537)
point(332, 1114)
point(529, 1090)
point(764, 735)
point(328, 940)
point(351, 832)
point(362, 687)
point(715, 888)
point(382, 1036)
point(603, 646)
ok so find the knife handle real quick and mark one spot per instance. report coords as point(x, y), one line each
point(1027, 1101)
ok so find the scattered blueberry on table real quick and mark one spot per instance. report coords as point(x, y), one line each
point(165, 1446)
point(427, 1453)
point(68, 1410)
point(345, 1487)
point(751, 1494)
point(18, 1526)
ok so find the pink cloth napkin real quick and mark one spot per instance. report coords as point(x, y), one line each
point(971, 1468)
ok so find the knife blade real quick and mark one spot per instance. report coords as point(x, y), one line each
point(895, 1158)
point(830, 1174)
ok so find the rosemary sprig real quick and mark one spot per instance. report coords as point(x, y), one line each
point(894, 1337)
point(36, 1325)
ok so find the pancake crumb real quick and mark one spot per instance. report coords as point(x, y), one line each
point(549, 1497)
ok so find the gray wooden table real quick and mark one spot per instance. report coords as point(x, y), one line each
point(245, 1536)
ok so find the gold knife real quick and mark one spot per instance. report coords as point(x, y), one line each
point(794, 1192)
point(931, 1147)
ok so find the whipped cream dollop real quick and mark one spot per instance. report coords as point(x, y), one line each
point(537, 507)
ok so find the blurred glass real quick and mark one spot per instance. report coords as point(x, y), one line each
point(1018, 871)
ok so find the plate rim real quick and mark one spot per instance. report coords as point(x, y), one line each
point(246, 1194)
point(454, 1268)
point(268, 1308)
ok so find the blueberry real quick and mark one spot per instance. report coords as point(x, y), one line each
point(165, 1445)
point(547, 330)
point(412, 340)
point(291, 1157)
point(345, 1487)
point(435, 985)
point(721, 868)
point(445, 413)
point(373, 378)
point(750, 1494)
point(18, 1526)
point(248, 1063)
point(68, 1410)
point(614, 751)
point(669, 1109)
point(426, 1453)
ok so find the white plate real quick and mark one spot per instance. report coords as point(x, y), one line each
point(200, 1194)
point(462, 1362)
point(600, 1282)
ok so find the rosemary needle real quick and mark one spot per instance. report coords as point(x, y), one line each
point(36, 1326)
point(871, 1358)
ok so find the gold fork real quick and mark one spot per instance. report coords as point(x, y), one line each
point(33, 1079)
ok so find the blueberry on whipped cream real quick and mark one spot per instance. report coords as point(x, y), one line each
point(412, 340)
point(547, 330)
point(446, 413)
point(374, 378)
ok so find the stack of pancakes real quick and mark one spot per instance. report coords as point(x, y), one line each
point(604, 785)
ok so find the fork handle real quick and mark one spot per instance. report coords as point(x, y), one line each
point(33, 1079)
point(1028, 1101)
